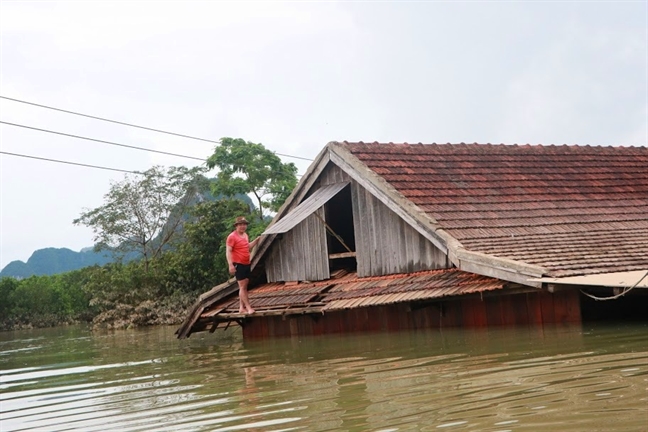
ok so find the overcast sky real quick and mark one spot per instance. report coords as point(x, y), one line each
point(295, 76)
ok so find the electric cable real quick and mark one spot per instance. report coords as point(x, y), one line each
point(77, 163)
point(70, 163)
point(101, 141)
point(132, 125)
point(622, 293)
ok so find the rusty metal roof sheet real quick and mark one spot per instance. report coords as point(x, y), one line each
point(346, 291)
point(574, 210)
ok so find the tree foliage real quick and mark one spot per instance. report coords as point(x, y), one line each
point(246, 167)
point(144, 213)
point(44, 300)
point(179, 230)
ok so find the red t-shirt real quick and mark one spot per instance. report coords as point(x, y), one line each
point(240, 247)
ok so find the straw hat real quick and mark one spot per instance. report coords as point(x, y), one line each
point(241, 220)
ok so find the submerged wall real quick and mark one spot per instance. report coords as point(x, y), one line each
point(520, 309)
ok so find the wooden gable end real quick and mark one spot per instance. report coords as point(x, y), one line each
point(354, 231)
point(303, 253)
point(385, 243)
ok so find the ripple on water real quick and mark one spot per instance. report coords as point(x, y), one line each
point(147, 380)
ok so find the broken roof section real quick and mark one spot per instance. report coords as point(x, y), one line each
point(347, 291)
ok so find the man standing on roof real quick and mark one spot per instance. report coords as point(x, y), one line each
point(237, 252)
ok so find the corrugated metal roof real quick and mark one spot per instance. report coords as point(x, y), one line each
point(306, 208)
point(574, 210)
point(348, 291)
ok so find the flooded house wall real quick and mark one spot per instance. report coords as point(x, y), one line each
point(385, 243)
point(533, 309)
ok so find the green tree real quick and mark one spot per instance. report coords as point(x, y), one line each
point(8, 286)
point(246, 167)
point(145, 213)
point(36, 301)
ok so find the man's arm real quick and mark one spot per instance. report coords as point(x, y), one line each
point(254, 242)
point(228, 255)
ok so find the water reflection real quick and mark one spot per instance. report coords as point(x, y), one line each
point(564, 378)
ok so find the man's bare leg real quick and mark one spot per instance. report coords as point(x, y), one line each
point(244, 301)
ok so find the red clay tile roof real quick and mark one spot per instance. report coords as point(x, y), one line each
point(574, 210)
point(346, 290)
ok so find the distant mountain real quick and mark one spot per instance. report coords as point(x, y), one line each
point(51, 261)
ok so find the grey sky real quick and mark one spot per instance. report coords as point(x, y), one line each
point(295, 76)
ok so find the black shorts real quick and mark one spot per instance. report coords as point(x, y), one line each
point(242, 271)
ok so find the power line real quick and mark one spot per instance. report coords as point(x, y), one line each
point(77, 163)
point(70, 163)
point(133, 125)
point(100, 141)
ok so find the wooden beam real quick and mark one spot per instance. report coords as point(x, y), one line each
point(333, 233)
point(499, 268)
point(342, 255)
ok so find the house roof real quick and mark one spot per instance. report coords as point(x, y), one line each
point(569, 210)
point(345, 291)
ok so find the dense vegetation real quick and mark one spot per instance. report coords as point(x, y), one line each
point(181, 240)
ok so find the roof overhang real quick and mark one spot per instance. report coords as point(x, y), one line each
point(630, 279)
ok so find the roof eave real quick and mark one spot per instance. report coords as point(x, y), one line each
point(627, 279)
point(500, 268)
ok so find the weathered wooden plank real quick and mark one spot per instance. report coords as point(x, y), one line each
point(318, 236)
point(342, 255)
point(385, 244)
point(369, 247)
point(300, 254)
point(500, 268)
point(300, 258)
point(359, 226)
point(333, 174)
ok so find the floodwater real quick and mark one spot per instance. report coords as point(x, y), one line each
point(583, 378)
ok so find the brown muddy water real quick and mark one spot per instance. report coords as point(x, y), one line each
point(584, 378)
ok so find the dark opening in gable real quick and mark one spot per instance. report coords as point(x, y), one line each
point(339, 217)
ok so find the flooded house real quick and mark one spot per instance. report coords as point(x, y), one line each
point(384, 237)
